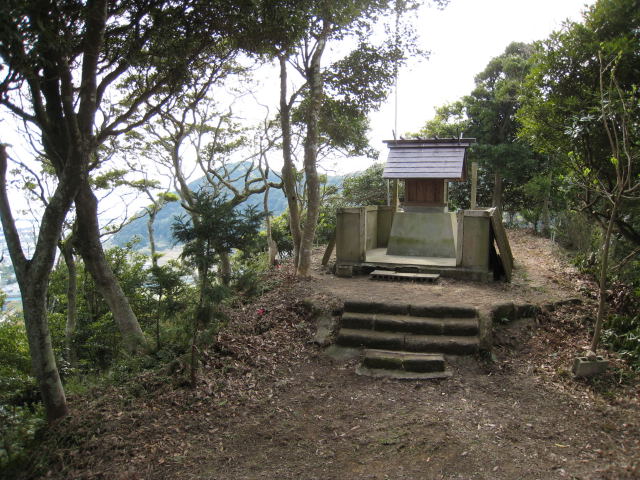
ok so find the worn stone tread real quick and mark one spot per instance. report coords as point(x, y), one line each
point(409, 324)
point(401, 374)
point(407, 341)
point(438, 311)
point(407, 361)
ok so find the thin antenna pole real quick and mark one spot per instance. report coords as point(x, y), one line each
point(394, 186)
point(395, 121)
point(396, 69)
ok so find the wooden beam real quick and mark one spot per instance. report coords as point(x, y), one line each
point(474, 185)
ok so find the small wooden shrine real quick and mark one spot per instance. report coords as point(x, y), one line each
point(422, 235)
point(426, 166)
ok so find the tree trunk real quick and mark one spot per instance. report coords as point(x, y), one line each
point(225, 268)
point(288, 168)
point(602, 284)
point(152, 240)
point(497, 192)
point(272, 247)
point(203, 279)
point(72, 300)
point(42, 355)
point(546, 215)
point(33, 280)
point(90, 248)
point(314, 79)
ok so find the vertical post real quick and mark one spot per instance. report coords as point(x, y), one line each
point(363, 234)
point(445, 195)
point(474, 185)
point(394, 194)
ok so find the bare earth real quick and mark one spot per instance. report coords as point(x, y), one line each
point(271, 405)
point(539, 277)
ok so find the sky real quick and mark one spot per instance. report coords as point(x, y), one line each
point(462, 38)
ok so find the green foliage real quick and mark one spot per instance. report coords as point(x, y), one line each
point(562, 108)
point(96, 341)
point(366, 188)
point(450, 121)
point(576, 232)
point(327, 218)
point(281, 234)
point(220, 227)
point(488, 114)
point(248, 274)
point(18, 427)
point(14, 349)
point(20, 413)
point(622, 334)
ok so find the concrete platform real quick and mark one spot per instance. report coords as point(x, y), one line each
point(377, 258)
point(380, 256)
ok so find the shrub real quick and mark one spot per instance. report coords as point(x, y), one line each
point(623, 336)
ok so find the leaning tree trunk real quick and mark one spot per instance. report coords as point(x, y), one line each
point(42, 356)
point(72, 300)
point(288, 169)
point(33, 280)
point(90, 248)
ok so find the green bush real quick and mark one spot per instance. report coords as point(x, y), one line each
point(282, 235)
point(18, 427)
point(623, 336)
point(20, 411)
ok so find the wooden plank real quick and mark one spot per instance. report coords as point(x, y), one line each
point(502, 241)
point(391, 275)
point(474, 184)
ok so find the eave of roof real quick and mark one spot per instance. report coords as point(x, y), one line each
point(427, 158)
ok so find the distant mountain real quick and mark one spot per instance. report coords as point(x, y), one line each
point(166, 217)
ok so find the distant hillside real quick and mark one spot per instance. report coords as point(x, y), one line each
point(166, 216)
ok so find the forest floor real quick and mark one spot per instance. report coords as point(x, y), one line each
point(272, 405)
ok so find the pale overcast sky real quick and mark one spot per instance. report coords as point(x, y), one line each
point(462, 39)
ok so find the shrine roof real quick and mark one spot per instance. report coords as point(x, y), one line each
point(427, 158)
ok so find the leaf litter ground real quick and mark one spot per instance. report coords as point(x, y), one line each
point(271, 405)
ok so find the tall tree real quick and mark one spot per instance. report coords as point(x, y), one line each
point(582, 105)
point(491, 109)
point(335, 99)
point(488, 114)
point(62, 61)
point(233, 164)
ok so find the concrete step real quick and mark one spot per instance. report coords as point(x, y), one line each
point(403, 276)
point(434, 311)
point(409, 324)
point(456, 345)
point(405, 361)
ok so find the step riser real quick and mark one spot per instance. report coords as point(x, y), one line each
point(418, 366)
point(438, 311)
point(408, 344)
point(434, 327)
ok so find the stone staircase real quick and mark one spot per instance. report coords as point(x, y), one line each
point(407, 341)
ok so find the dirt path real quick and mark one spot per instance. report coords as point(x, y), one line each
point(271, 405)
point(329, 423)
